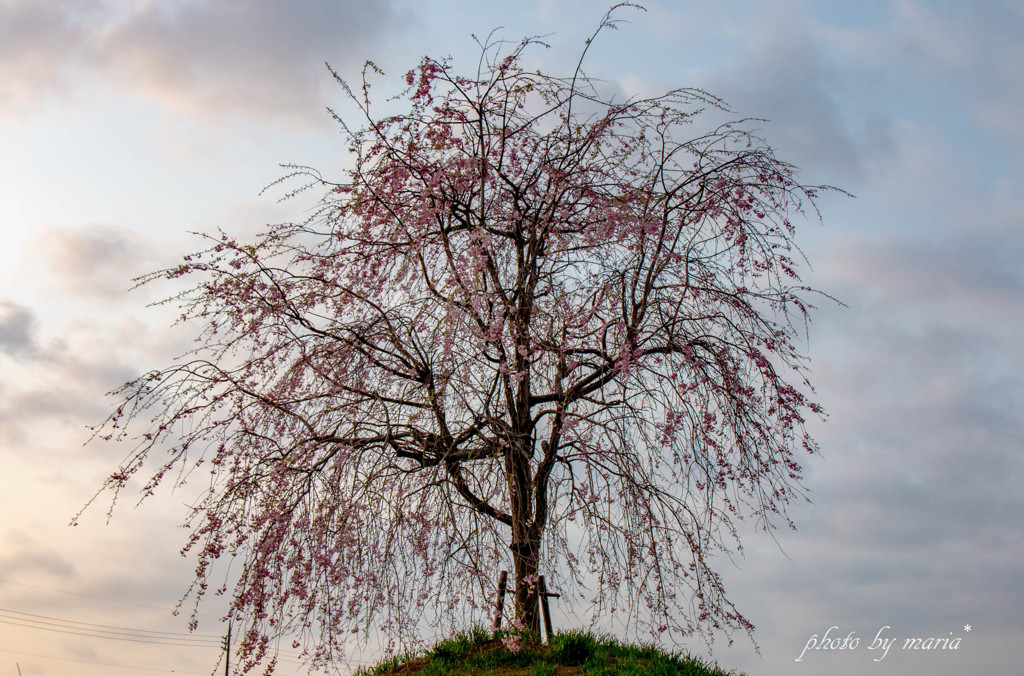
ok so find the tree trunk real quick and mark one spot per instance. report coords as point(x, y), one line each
point(525, 545)
point(525, 555)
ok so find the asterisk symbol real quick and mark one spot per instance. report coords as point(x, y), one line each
point(967, 627)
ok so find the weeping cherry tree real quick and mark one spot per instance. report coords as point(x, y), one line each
point(533, 328)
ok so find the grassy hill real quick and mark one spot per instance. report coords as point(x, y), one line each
point(477, 652)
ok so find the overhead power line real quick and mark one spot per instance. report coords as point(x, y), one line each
point(108, 636)
point(42, 618)
point(104, 631)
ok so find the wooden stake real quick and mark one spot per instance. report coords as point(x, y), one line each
point(543, 594)
point(499, 605)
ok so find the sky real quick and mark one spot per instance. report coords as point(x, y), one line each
point(127, 124)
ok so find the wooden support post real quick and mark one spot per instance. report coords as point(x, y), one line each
point(499, 605)
point(543, 594)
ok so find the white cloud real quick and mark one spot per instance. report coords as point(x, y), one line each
point(258, 58)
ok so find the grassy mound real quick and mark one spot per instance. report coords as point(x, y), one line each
point(477, 652)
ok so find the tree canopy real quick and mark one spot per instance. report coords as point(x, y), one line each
point(534, 327)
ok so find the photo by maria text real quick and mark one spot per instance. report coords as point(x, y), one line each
point(884, 640)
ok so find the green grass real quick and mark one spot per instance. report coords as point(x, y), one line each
point(574, 652)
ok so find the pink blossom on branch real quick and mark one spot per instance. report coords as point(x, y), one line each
point(533, 329)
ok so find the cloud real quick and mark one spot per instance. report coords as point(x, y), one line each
point(967, 276)
point(976, 49)
point(17, 330)
point(916, 496)
point(260, 58)
point(788, 79)
point(55, 370)
point(42, 43)
point(76, 333)
point(996, 65)
point(38, 561)
point(99, 260)
point(914, 523)
point(838, 95)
